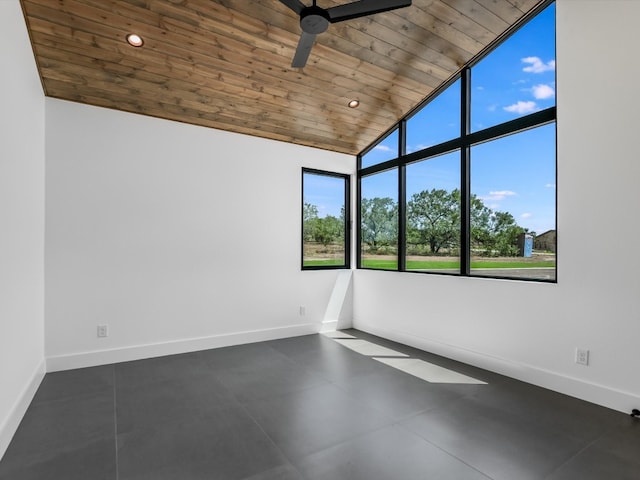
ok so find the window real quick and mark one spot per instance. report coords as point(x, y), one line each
point(472, 188)
point(325, 220)
point(379, 220)
point(513, 199)
point(436, 122)
point(386, 149)
point(433, 214)
point(518, 77)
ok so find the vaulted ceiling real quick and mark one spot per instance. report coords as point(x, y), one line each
point(226, 64)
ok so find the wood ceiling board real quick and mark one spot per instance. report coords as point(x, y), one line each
point(225, 64)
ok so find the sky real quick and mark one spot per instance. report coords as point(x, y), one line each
point(325, 192)
point(515, 174)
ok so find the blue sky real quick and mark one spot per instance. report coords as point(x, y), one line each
point(325, 192)
point(514, 174)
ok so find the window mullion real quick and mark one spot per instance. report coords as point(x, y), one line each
point(402, 200)
point(358, 216)
point(465, 169)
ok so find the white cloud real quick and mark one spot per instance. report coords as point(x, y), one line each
point(536, 65)
point(414, 148)
point(480, 87)
point(503, 193)
point(543, 91)
point(382, 148)
point(550, 185)
point(492, 108)
point(526, 215)
point(522, 107)
point(496, 196)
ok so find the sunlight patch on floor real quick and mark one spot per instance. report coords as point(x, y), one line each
point(364, 347)
point(428, 371)
point(337, 334)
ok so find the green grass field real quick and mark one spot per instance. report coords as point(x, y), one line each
point(453, 265)
point(324, 263)
point(385, 264)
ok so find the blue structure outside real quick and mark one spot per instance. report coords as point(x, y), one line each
point(528, 246)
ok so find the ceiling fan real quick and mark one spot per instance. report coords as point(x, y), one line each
point(315, 20)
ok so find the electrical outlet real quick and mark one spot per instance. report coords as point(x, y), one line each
point(303, 311)
point(582, 356)
point(103, 331)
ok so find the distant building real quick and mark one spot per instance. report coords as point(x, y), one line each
point(546, 241)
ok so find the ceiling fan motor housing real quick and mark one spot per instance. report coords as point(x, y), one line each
point(314, 20)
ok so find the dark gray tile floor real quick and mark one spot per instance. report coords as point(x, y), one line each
point(309, 408)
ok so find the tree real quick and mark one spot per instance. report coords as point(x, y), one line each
point(497, 232)
point(327, 230)
point(505, 232)
point(433, 218)
point(379, 218)
point(309, 211)
point(481, 231)
point(309, 217)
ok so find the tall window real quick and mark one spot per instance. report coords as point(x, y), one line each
point(325, 220)
point(471, 189)
point(512, 203)
point(379, 220)
point(433, 214)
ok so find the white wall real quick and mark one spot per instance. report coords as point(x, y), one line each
point(528, 330)
point(177, 237)
point(21, 222)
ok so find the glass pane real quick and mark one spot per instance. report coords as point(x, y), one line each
point(379, 220)
point(387, 149)
point(323, 220)
point(436, 122)
point(518, 77)
point(433, 214)
point(513, 214)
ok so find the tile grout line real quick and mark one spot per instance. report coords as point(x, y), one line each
point(580, 451)
point(115, 421)
point(444, 450)
point(277, 447)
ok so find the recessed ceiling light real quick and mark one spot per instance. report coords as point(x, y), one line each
point(354, 103)
point(135, 40)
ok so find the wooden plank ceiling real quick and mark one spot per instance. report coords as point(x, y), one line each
point(226, 63)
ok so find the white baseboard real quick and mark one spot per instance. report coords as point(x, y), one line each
point(138, 352)
point(574, 387)
point(12, 421)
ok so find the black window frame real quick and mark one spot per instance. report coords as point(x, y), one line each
point(463, 143)
point(347, 220)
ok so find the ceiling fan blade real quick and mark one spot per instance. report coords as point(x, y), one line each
point(362, 8)
point(303, 50)
point(295, 5)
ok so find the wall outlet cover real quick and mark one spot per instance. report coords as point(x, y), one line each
point(582, 356)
